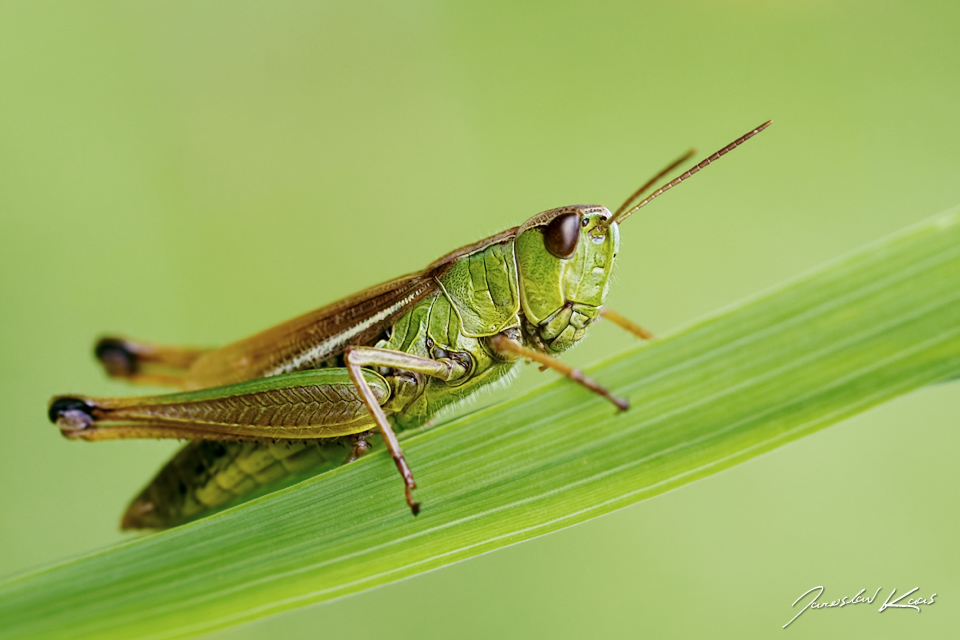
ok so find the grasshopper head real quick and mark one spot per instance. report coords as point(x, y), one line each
point(565, 257)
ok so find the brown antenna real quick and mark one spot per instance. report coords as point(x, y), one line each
point(621, 215)
point(649, 183)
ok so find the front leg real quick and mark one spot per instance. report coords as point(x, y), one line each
point(511, 348)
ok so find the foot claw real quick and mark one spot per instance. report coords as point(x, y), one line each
point(413, 504)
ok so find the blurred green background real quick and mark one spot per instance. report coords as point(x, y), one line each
point(193, 172)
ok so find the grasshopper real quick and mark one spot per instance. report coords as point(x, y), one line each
point(270, 407)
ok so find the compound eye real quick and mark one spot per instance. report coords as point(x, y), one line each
point(561, 235)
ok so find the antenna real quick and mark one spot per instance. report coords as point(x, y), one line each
point(621, 215)
point(649, 183)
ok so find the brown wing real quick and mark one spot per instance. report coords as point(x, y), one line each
point(308, 341)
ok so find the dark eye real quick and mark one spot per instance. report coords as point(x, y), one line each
point(561, 235)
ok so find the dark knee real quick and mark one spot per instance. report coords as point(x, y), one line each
point(73, 413)
point(117, 357)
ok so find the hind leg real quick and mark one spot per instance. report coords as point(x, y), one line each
point(146, 363)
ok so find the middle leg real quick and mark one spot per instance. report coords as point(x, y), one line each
point(358, 357)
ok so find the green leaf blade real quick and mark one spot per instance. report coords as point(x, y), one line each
point(860, 331)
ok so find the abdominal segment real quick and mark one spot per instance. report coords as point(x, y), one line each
point(207, 476)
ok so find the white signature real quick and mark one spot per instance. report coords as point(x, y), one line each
point(912, 603)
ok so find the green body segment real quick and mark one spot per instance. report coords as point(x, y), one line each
point(513, 285)
point(206, 476)
point(483, 288)
point(433, 330)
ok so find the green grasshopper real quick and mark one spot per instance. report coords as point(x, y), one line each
point(268, 409)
